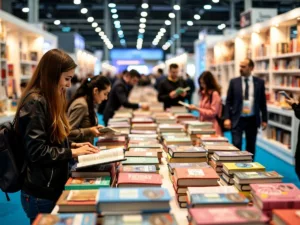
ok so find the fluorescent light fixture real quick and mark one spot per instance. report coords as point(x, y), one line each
point(111, 5)
point(142, 25)
point(221, 26)
point(120, 32)
point(113, 10)
point(176, 7)
point(57, 22)
point(122, 41)
point(95, 24)
point(77, 2)
point(144, 14)
point(25, 10)
point(172, 15)
point(160, 33)
point(145, 6)
point(84, 10)
point(90, 19)
point(190, 23)
point(98, 29)
point(207, 7)
point(121, 36)
point(197, 17)
point(143, 20)
point(101, 33)
point(163, 30)
point(117, 26)
point(168, 22)
point(215, 1)
point(141, 30)
point(117, 22)
point(115, 16)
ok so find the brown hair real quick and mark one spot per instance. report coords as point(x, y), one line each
point(173, 66)
point(45, 81)
point(210, 82)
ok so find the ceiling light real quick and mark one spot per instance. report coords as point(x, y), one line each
point(122, 41)
point(113, 10)
point(160, 33)
point(215, 1)
point(116, 22)
point(144, 14)
point(121, 35)
point(154, 43)
point(145, 6)
point(176, 7)
point(163, 30)
point(143, 20)
point(90, 19)
point(115, 16)
point(25, 10)
point(101, 33)
point(95, 24)
point(190, 23)
point(120, 32)
point(117, 26)
point(207, 7)
point(111, 5)
point(56, 22)
point(168, 22)
point(172, 15)
point(142, 25)
point(77, 2)
point(197, 17)
point(141, 30)
point(84, 10)
point(98, 29)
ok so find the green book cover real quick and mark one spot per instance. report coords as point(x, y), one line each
point(87, 183)
point(140, 161)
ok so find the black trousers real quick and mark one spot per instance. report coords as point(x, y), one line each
point(247, 124)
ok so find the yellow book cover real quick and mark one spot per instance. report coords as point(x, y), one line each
point(185, 160)
point(229, 168)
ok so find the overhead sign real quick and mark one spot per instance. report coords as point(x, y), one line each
point(256, 15)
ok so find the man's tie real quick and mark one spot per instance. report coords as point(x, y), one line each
point(246, 89)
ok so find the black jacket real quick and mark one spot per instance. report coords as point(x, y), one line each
point(118, 97)
point(234, 101)
point(296, 108)
point(47, 168)
point(165, 87)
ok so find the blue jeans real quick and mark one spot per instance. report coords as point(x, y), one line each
point(33, 206)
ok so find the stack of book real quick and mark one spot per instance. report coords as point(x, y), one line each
point(267, 197)
point(177, 109)
point(212, 147)
point(87, 183)
point(120, 201)
point(196, 124)
point(210, 138)
point(243, 215)
point(192, 177)
point(145, 152)
point(170, 128)
point(286, 217)
point(138, 219)
point(139, 180)
point(219, 157)
point(120, 114)
point(164, 117)
point(172, 166)
point(180, 117)
point(111, 142)
point(138, 128)
point(67, 218)
point(142, 119)
point(177, 140)
point(186, 154)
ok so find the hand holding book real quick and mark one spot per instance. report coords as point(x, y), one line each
point(84, 150)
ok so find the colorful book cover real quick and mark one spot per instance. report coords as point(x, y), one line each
point(286, 216)
point(139, 178)
point(138, 169)
point(185, 159)
point(144, 145)
point(236, 167)
point(207, 190)
point(257, 177)
point(233, 215)
point(222, 154)
point(140, 154)
point(172, 166)
point(140, 161)
point(141, 219)
point(87, 183)
point(186, 151)
point(209, 199)
point(66, 218)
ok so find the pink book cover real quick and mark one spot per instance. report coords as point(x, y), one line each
point(276, 195)
point(143, 131)
point(140, 178)
point(227, 216)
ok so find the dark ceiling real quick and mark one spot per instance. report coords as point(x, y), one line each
point(129, 16)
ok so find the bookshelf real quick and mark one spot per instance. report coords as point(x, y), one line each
point(274, 46)
point(85, 61)
point(21, 47)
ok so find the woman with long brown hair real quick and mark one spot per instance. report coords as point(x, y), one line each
point(43, 128)
point(210, 100)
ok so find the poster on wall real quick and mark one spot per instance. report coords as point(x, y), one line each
point(256, 15)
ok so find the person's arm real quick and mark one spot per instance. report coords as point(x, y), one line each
point(296, 108)
point(122, 96)
point(215, 104)
point(163, 95)
point(36, 134)
point(263, 104)
point(76, 113)
point(229, 101)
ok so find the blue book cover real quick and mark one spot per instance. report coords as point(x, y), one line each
point(122, 195)
point(66, 218)
point(214, 198)
point(141, 219)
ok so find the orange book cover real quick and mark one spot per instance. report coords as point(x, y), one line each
point(78, 197)
point(287, 216)
point(149, 179)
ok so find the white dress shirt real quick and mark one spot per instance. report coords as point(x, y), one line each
point(251, 94)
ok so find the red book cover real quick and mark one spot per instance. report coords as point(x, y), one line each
point(286, 216)
point(139, 179)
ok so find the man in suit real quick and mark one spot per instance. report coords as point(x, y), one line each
point(246, 108)
point(119, 95)
point(167, 88)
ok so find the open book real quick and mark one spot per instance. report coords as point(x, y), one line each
point(180, 90)
point(107, 130)
point(184, 104)
point(103, 157)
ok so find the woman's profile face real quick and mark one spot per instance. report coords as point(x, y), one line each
point(202, 84)
point(100, 96)
point(65, 81)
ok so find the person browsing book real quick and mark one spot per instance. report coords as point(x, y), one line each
point(81, 110)
point(43, 128)
point(119, 95)
point(210, 105)
point(172, 89)
point(246, 107)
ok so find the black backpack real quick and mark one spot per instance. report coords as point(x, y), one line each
point(12, 158)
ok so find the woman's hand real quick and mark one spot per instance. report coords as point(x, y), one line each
point(95, 131)
point(192, 107)
point(291, 101)
point(84, 150)
point(78, 145)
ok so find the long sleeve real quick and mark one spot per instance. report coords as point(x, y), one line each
point(35, 131)
point(122, 96)
point(163, 94)
point(263, 104)
point(214, 108)
point(296, 108)
point(76, 113)
point(229, 101)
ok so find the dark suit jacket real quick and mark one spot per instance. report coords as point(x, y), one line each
point(234, 101)
point(118, 97)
